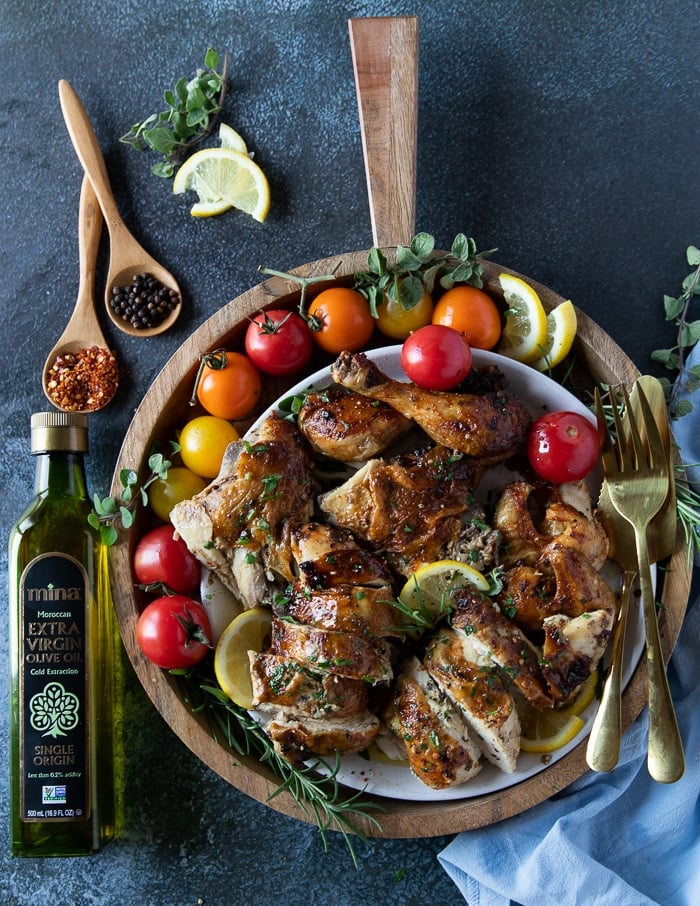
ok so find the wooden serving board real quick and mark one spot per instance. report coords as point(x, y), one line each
point(385, 61)
point(165, 406)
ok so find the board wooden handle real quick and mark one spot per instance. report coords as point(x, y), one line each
point(385, 61)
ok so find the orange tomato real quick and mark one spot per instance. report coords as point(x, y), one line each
point(340, 320)
point(472, 312)
point(229, 385)
point(397, 322)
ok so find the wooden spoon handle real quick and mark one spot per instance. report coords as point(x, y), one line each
point(87, 147)
point(89, 232)
point(385, 61)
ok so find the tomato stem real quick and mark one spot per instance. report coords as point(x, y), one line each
point(215, 360)
point(303, 282)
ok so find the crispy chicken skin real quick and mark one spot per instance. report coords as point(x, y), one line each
point(567, 518)
point(489, 638)
point(480, 696)
point(562, 581)
point(327, 651)
point(572, 649)
point(415, 508)
point(236, 523)
point(349, 427)
point(327, 557)
point(489, 426)
point(284, 683)
point(437, 743)
point(297, 737)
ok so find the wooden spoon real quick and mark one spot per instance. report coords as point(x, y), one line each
point(127, 257)
point(83, 329)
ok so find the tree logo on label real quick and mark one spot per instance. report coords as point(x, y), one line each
point(54, 711)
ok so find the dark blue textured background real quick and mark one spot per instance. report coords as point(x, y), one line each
point(564, 133)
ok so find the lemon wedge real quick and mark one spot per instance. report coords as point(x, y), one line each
point(246, 632)
point(224, 178)
point(550, 732)
point(229, 138)
point(551, 729)
point(525, 331)
point(561, 331)
point(429, 590)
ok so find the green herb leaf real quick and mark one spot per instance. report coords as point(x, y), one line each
point(192, 109)
point(419, 268)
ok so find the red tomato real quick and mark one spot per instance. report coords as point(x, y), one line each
point(436, 357)
point(174, 632)
point(472, 312)
point(340, 320)
point(563, 446)
point(278, 342)
point(228, 384)
point(162, 558)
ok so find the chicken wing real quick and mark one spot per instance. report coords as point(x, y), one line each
point(566, 518)
point(349, 427)
point(489, 426)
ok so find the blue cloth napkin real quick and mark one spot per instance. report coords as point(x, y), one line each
point(617, 838)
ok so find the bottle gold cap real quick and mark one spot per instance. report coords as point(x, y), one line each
point(59, 431)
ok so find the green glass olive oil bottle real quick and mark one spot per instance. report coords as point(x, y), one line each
point(62, 635)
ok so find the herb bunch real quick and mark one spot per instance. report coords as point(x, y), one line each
point(418, 268)
point(108, 512)
point(320, 796)
point(192, 108)
point(677, 309)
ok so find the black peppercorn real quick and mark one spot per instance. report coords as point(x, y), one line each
point(144, 302)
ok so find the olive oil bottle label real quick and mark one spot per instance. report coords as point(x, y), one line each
point(53, 690)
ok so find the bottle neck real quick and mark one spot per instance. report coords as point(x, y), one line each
point(60, 474)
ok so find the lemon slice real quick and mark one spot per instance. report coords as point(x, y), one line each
point(551, 729)
point(229, 138)
point(561, 331)
point(550, 732)
point(224, 178)
point(525, 331)
point(246, 632)
point(429, 590)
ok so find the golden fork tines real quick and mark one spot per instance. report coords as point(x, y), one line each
point(637, 477)
point(603, 749)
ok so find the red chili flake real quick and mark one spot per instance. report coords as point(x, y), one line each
point(83, 381)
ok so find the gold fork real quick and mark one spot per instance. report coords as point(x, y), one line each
point(638, 479)
point(603, 748)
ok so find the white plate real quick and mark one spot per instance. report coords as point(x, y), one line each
point(540, 394)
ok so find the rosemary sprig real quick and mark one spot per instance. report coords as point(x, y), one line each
point(688, 507)
point(318, 795)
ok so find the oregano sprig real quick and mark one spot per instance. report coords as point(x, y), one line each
point(108, 512)
point(677, 309)
point(191, 111)
point(418, 268)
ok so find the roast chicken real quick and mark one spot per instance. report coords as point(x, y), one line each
point(344, 669)
point(487, 426)
point(348, 427)
point(437, 743)
point(415, 508)
point(236, 525)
